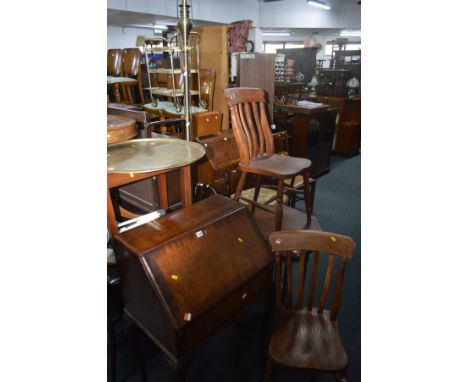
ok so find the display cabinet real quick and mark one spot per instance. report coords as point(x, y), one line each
point(332, 82)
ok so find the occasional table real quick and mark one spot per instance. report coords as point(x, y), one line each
point(120, 128)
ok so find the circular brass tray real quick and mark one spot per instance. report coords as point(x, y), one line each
point(151, 154)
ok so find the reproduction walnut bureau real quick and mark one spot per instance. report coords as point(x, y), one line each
point(188, 274)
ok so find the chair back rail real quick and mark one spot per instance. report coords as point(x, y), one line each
point(114, 62)
point(304, 244)
point(249, 123)
point(131, 62)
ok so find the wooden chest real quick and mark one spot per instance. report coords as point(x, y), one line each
point(188, 274)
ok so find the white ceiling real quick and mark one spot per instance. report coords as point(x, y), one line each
point(285, 15)
point(126, 18)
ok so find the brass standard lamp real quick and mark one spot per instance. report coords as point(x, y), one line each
point(184, 27)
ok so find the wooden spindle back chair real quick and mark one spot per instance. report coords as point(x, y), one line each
point(257, 152)
point(306, 332)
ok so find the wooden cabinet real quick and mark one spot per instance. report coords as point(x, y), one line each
point(348, 129)
point(214, 53)
point(349, 60)
point(304, 61)
point(312, 135)
point(191, 272)
point(257, 70)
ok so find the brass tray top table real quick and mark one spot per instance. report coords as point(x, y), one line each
point(138, 159)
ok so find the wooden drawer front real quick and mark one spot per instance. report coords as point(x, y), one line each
point(221, 185)
point(208, 123)
point(227, 310)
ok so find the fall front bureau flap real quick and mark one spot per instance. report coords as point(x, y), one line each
point(196, 256)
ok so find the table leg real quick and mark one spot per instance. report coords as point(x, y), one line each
point(185, 186)
point(162, 191)
point(300, 135)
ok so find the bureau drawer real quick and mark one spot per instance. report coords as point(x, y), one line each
point(228, 309)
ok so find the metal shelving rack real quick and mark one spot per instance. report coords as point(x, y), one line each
point(157, 45)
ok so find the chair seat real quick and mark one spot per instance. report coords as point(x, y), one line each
point(277, 165)
point(306, 339)
point(123, 80)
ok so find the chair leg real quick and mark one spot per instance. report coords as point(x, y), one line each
point(313, 183)
point(140, 90)
point(240, 186)
point(307, 196)
point(258, 184)
point(268, 369)
point(279, 205)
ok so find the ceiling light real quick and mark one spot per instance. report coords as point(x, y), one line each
point(350, 33)
point(276, 33)
point(157, 26)
point(318, 4)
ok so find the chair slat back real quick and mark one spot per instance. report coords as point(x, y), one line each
point(114, 62)
point(249, 123)
point(131, 62)
point(306, 244)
